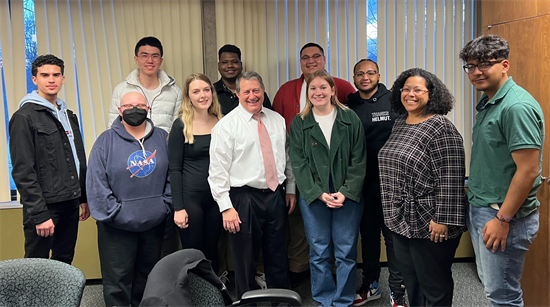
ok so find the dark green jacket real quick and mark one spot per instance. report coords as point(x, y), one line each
point(312, 161)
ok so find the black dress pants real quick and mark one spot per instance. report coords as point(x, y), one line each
point(426, 268)
point(65, 218)
point(371, 223)
point(263, 215)
point(205, 224)
point(126, 259)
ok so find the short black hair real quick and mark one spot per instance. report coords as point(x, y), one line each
point(230, 49)
point(484, 48)
point(149, 41)
point(47, 59)
point(440, 100)
point(312, 45)
point(367, 60)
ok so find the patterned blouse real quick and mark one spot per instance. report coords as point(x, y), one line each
point(422, 178)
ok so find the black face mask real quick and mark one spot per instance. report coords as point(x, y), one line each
point(134, 116)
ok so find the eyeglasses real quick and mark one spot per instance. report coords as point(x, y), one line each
point(416, 91)
point(145, 56)
point(483, 66)
point(370, 73)
point(314, 57)
point(129, 106)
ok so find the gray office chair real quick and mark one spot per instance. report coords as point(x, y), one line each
point(40, 282)
point(185, 278)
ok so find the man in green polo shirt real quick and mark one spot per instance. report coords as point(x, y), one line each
point(505, 170)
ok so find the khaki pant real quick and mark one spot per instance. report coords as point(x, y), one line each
point(298, 249)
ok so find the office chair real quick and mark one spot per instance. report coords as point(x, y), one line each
point(40, 282)
point(185, 278)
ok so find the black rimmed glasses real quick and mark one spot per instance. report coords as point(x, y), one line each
point(483, 66)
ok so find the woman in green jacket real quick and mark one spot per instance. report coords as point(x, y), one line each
point(327, 152)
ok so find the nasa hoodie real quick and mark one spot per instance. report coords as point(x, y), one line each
point(128, 178)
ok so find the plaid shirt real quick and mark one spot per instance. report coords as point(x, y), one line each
point(422, 178)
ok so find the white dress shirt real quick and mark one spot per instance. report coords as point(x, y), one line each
point(236, 156)
point(303, 99)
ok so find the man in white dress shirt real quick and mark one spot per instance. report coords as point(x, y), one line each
point(245, 177)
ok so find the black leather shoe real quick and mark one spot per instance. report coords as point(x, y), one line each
point(296, 279)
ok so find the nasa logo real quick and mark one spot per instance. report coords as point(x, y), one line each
point(141, 166)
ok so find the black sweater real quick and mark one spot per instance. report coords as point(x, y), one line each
point(377, 118)
point(188, 164)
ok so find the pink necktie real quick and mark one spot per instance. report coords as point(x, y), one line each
point(271, 178)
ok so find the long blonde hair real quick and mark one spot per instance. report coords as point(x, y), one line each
point(333, 100)
point(186, 111)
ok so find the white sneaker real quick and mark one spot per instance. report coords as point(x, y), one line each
point(260, 280)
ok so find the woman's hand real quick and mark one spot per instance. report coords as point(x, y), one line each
point(334, 200)
point(439, 232)
point(181, 218)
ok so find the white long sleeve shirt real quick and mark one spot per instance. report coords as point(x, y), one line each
point(236, 156)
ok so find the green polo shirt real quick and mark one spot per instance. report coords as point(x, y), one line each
point(512, 120)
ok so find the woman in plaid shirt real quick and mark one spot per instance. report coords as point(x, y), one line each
point(422, 183)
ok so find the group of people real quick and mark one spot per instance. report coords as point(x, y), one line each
point(296, 181)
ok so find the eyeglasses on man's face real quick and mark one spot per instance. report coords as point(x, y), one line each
point(361, 74)
point(482, 66)
point(145, 56)
point(416, 91)
point(129, 106)
point(315, 57)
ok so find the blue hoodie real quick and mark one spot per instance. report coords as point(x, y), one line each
point(60, 114)
point(128, 179)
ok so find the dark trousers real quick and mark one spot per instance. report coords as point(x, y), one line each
point(426, 268)
point(298, 249)
point(126, 260)
point(65, 218)
point(371, 223)
point(263, 227)
point(170, 238)
point(205, 224)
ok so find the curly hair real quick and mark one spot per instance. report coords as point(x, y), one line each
point(440, 100)
point(47, 59)
point(485, 47)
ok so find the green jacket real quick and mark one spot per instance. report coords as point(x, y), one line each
point(312, 162)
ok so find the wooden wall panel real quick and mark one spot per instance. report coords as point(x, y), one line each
point(543, 7)
point(509, 10)
point(532, 72)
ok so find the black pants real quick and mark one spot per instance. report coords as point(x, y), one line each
point(170, 239)
point(426, 268)
point(371, 223)
point(65, 219)
point(126, 260)
point(263, 215)
point(205, 224)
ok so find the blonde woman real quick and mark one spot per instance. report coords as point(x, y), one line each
point(328, 156)
point(196, 213)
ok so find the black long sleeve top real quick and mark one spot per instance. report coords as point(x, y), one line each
point(188, 164)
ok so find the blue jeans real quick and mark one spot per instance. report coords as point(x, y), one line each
point(324, 228)
point(500, 272)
